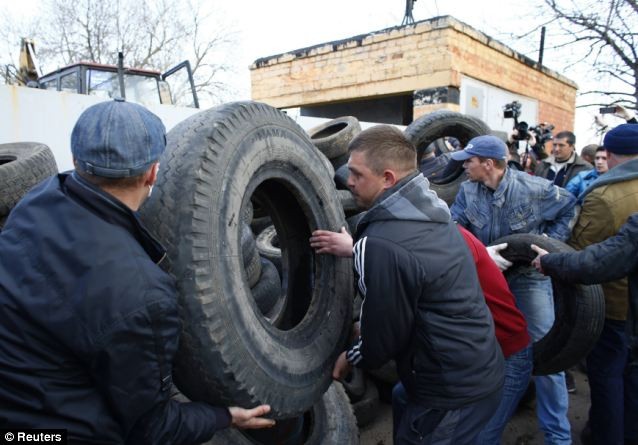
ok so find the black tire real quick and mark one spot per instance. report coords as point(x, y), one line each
point(580, 309)
point(340, 160)
point(332, 137)
point(348, 203)
point(230, 354)
point(386, 373)
point(22, 165)
point(268, 247)
point(447, 191)
point(367, 408)
point(341, 177)
point(427, 129)
point(247, 213)
point(250, 255)
point(258, 224)
point(354, 384)
point(268, 289)
point(329, 422)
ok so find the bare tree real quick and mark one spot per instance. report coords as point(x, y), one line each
point(603, 36)
point(151, 34)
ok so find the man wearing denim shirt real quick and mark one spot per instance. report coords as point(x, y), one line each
point(499, 201)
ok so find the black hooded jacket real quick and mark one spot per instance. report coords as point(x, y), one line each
point(89, 323)
point(423, 305)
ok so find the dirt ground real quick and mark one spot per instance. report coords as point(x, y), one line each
point(521, 430)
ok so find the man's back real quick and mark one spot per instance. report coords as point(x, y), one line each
point(80, 284)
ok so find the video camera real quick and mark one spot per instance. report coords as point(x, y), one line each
point(542, 132)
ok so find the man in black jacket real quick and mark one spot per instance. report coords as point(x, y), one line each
point(611, 259)
point(423, 305)
point(89, 322)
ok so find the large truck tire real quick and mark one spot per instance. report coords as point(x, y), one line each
point(268, 289)
point(250, 255)
point(332, 137)
point(447, 188)
point(268, 247)
point(579, 309)
point(366, 408)
point(430, 127)
point(22, 165)
point(230, 353)
point(329, 422)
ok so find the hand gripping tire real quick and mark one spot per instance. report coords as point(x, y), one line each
point(580, 309)
point(230, 354)
point(329, 422)
point(427, 129)
point(22, 165)
point(332, 138)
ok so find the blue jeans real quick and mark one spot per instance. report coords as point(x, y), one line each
point(535, 299)
point(518, 370)
point(613, 416)
point(415, 424)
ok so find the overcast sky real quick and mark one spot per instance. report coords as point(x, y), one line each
point(266, 28)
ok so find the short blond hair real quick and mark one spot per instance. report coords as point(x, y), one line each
point(385, 147)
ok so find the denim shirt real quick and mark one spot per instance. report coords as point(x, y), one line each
point(522, 203)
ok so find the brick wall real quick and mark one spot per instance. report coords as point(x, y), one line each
point(430, 54)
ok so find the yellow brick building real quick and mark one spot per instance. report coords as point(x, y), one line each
point(398, 74)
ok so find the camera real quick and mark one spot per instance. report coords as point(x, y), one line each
point(543, 133)
point(512, 110)
point(522, 131)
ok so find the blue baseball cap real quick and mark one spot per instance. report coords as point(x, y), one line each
point(117, 139)
point(484, 146)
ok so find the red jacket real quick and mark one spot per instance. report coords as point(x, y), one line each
point(510, 324)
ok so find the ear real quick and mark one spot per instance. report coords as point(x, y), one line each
point(389, 179)
point(151, 174)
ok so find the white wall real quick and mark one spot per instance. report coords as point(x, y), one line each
point(486, 102)
point(33, 115)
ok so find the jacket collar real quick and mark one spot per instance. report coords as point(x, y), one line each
point(409, 200)
point(620, 173)
point(111, 210)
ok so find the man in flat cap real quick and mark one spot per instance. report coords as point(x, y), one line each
point(607, 204)
point(89, 324)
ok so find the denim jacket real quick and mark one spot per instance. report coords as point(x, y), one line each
point(521, 204)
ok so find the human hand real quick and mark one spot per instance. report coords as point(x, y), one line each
point(495, 254)
point(623, 113)
point(512, 135)
point(335, 243)
point(342, 367)
point(536, 262)
point(250, 418)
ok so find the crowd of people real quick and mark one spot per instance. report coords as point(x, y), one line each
point(89, 322)
point(419, 277)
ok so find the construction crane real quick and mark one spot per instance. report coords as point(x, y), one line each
point(28, 69)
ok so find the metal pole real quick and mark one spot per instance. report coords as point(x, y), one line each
point(542, 48)
point(120, 73)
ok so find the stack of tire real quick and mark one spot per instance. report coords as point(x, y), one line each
point(263, 317)
point(432, 129)
point(22, 166)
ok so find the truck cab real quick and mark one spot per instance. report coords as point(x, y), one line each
point(146, 87)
